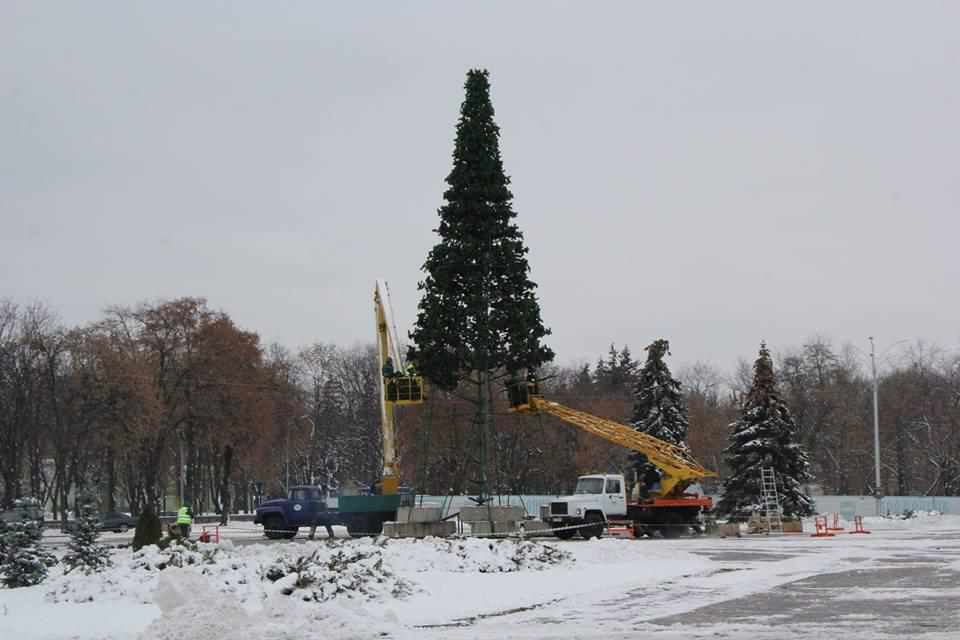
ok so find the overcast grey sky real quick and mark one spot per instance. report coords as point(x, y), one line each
point(712, 173)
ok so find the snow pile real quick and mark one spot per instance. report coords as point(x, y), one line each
point(152, 558)
point(191, 608)
point(913, 521)
point(134, 576)
point(189, 605)
point(474, 555)
point(366, 569)
point(340, 571)
point(911, 515)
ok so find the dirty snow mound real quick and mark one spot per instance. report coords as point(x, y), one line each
point(470, 555)
point(328, 572)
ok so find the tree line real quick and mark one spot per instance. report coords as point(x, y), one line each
point(172, 398)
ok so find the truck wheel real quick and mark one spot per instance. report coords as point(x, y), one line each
point(673, 526)
point(594, 531)
point(565, 534)
point(273, 527)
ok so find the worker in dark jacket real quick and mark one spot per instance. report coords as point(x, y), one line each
point(651, 479)
point(318, 519)
point(388, 370)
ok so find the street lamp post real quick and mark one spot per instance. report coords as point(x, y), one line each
point(313, 428)
point(876, 417)
point(876, 428)
point(181, 471)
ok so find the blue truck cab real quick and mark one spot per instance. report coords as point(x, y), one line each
point(304, 506)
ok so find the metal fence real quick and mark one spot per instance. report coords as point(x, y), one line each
point(849, 506)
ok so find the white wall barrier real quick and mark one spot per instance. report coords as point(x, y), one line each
point(846, 506)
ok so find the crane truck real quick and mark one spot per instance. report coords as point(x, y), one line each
point(601, 498)
point(360, 514)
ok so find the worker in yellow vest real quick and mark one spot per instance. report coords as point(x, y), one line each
point(184, 520)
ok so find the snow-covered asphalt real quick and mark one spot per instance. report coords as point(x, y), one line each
point(889, 584)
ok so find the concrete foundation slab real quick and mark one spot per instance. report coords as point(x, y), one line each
point(483, 528)
point(419, 514)
point(494, 514)
point(419, 529)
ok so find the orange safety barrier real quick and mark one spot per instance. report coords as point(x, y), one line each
point(620, 531)
point(858, 525)
point(836, 523)
point(820, 522)
point(206, 537)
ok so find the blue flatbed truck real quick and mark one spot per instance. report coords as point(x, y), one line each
point(306, 505)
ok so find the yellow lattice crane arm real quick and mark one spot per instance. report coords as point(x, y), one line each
point(678, 469)
point(398, 385)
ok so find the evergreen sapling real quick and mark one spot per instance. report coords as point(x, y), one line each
point(23, 563)
point(85, 552)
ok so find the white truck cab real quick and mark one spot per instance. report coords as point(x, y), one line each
point(597, 499)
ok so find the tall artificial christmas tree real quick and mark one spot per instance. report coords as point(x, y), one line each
point(478, 319)
point(765, 436)
point(85, 553)
point(23, 563)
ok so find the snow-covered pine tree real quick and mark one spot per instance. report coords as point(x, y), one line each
point(765, 436)
point(85, 553)
point(23, 562)
point(659, 408)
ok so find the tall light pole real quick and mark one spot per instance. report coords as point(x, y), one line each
point(876, 428)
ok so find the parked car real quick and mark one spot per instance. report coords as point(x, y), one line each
point(111, 521)
point(21, 512)
point(116, 521)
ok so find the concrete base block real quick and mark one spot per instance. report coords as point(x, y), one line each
point(533, 526)
point(419, 529)
point(792, 526)
point(495, 514)
point(484, 529)
point(419, 514)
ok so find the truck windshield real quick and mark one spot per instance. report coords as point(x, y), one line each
point(589, 485)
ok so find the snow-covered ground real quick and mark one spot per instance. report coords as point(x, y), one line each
point(903, 580)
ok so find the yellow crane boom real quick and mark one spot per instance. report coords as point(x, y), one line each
point(678, 469)
point(400, 388)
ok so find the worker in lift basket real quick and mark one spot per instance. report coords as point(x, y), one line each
point(388, 370)
point(184, 520)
